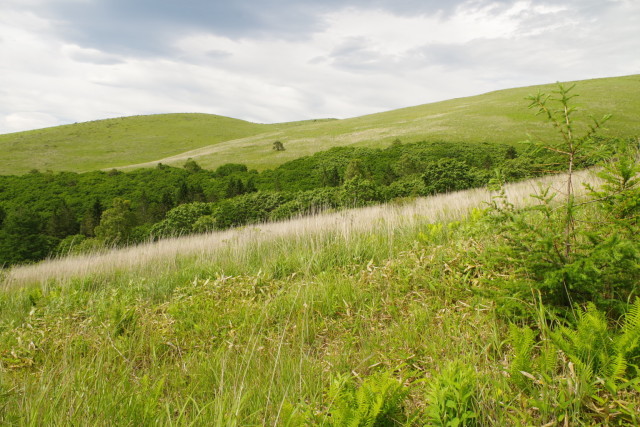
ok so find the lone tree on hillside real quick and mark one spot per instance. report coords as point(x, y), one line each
point(278, 146)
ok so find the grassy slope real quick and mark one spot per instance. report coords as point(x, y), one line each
point(117, 142)
point(240, 332)
point(500, 116)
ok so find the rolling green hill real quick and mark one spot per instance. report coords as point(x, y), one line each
point(142, 141)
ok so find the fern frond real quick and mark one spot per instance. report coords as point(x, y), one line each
point(547, 361)
point(616, 368)
point(522, 340)
point(377, 401)
point(629, 339)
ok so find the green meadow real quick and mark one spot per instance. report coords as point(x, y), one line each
point(144, 141)
point(403, 314)
point(513, 304)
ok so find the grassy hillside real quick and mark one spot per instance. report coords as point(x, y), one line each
point(380, 313)
point(500, 116)
point(117, 142)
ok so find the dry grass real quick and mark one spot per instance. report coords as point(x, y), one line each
point(164, 256)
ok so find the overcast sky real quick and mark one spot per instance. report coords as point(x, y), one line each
point(65, 61)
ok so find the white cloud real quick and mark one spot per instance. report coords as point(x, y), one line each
point(357, 61)
point(22, 120)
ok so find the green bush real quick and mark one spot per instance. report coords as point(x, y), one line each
point(181, 220)
point(447, 175)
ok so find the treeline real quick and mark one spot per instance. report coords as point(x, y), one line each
point(47, 214)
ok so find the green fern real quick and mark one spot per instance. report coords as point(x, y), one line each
point(595, 349)
point(378, 401)
point(629, 339)
point(628, 342)
point(522, 340)
point(547, 360)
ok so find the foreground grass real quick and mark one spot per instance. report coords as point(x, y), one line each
point(258, 330)
point(143, 141)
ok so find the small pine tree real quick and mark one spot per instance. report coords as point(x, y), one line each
point(558, 111)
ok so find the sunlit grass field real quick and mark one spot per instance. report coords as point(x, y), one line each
point(500, 116)
point(254, 326)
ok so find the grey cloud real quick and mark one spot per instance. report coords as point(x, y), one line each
point(147, 26)
point(356, 54)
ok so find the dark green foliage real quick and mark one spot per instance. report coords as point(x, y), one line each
point(166, 203)
point(447, 175)
point(518, 168)
point(603, 265)
point(191, 166)
point(308, 202)
point(411, 186)
point(145, 212)
point(330, 176)
point(248, 208)
point(116, 223)
point(21, 238)
point(62, 221)
point(356, 169)
point(382, 166)
point(250, 187)
point(91, 218)
point(278, 146)
point(181, 219)
point(235, 187)
point(230, 168)
point(406, 165)
point(358, 191)
point(182, 195)
point(510, 153)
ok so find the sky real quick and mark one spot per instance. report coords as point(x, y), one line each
point(267, 61)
